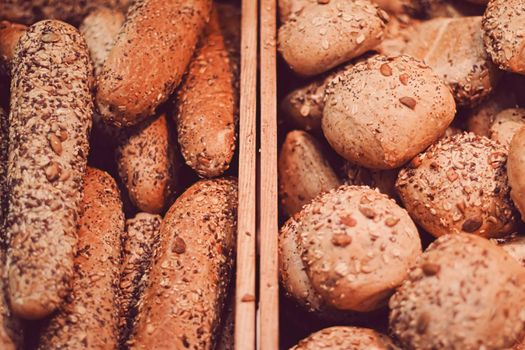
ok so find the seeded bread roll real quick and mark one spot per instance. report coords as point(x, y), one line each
point(149, 58)
point(147, 164)
point(454, 49)
point(10, 33)
point(382, 180)
point(459, 185)
point(89, 317)
point(345, 338)
point(356, 246)
point(503, 37)
point(192, 270)
point(515, 247)
point(384, 128)
point(208, 98)
point(323, 36)
point(51, 111)
point(462, 283)
point(291, 8)
point(516, 170)
point(139, 245)
point(506, 124)
point(29, 12)
point(100, 29)
point(304, 171)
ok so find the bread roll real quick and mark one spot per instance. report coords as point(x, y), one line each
point(147, 164)
point(149, 58)
point(382, 180)
point(10, 33)
point(304, 171)
point(89, 317)
point(192, 270)
point(208, 98)
point(398, 33)
point(323, 36)
point(516, 170)
point(515, 247)
point(291, 8)
point(51, 111)
point(384, 128)
point(454, 49)
point(139, 245)
point(503, 37)
point(459, 185)
point(356, 246)
point(506, 124)
point(465, 293)
point(345, 338)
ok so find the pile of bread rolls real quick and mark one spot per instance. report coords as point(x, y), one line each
point(402, 173)
point(118, 198)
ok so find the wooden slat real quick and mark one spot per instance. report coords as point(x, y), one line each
point(269, 286)
point(246, 234)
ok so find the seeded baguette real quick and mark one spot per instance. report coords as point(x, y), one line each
point(89, 317)
point(149, 58)
point(207, 100)
point(10, 33)
point(516, 170)
point(454, 49)
point(304, 172)
point(323, 36)
point(345, 338)
point(139, 244)
point(506, 124)
point(29, 12)
point(147, 164)
point(50, 119)
point(192, 270)
point(503, 37)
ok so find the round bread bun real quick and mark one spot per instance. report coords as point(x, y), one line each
point(384, 128)
point(516, 170)
point(465, 293)
point(345, 338)
point(459, 185)
point(503, 34)
point(356, 246)
point(506, 124)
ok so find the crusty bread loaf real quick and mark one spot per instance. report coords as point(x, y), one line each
point(304, 171)
point(149, 58)
point(146, 159)
point(208, 99)
point(182, 306)
point(89, 317)
point(139, 245)
point(100, 29)
point(51, 111)
point(454, 49)
point(29, 12)
point(10, 33)
point(516, 170)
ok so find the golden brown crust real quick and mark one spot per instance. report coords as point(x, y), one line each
point(465, 293)
point(51, 111)
point(146, 159)
point(323, 36)
point(459, 185)
point(10, 33)
point(149, 58)
point(454, 49)
point(89, 317)
point(345, 338)
point(516, 170)
point(208, 99)
point(191, 271)
point(384, 128)
point(304, 171)
point(506, 124)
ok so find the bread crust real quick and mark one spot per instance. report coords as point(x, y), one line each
point(516, 170)
point(50, 120)
point(208, 98)
point(506, 124)
point(192, 270)
point(10, 33)
point(149, 58)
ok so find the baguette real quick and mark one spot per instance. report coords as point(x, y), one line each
point(149, 58)
point(89, 317)
point(182, 305)
point(147, 164)
point(139, 245)
point(50, 119)
point(208, 99)
point(10, 33)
